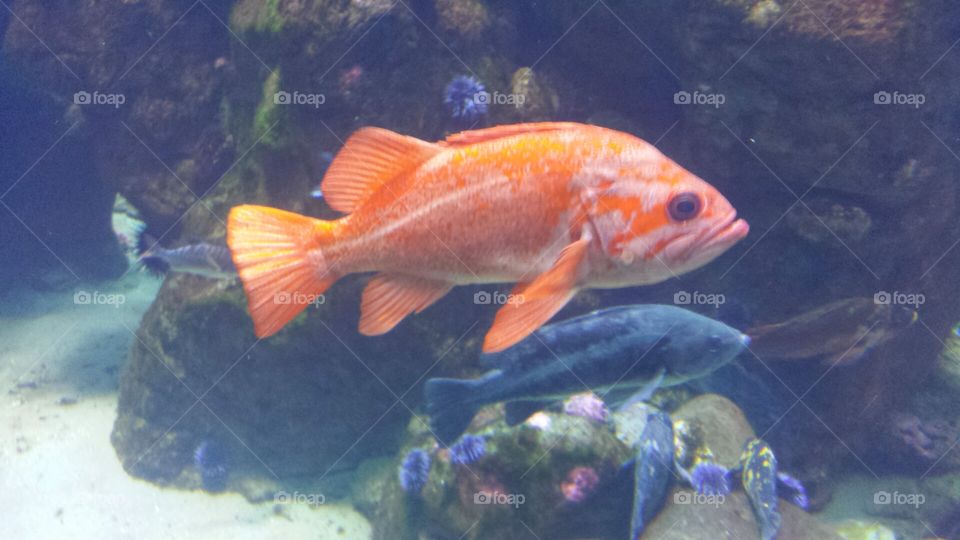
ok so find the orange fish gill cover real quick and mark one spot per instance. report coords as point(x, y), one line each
point(554, 207)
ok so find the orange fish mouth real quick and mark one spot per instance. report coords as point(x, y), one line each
point(724, 233)
point(706, 245)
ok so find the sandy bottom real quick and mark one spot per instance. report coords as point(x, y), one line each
point(60, 357)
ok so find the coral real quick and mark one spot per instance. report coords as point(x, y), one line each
point(467, 450)
point(587, 405)
point(868, 20)
point(579, 484)
point(414, 471)
point(466, 98)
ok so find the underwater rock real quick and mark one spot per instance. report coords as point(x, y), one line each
point(155, 138)
point(824, 221)
point(686, 520)
point(560, 476)
point(535, 100)
point(717, 424)
point(312, 400)
point(854, 529)
point(467, 18)
point(542, 476)
point(948, 363)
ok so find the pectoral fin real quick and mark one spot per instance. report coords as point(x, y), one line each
point(535, 303)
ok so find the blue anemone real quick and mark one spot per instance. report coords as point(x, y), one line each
point(466, 98)
point(711, 479)
point(470, 448)
point(414, 471)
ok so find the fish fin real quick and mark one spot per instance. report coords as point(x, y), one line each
point(646, 392)
point(516, 412)
point(388, 298)
point(278, 257)
point(849, 356)
point(371, 157)
point(448, 403)
point(498, 132)
point(535, 303)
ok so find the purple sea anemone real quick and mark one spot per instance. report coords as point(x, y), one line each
point(587, 405)
point(711, 479)
point(470, 448)
point(414, 471)
point(466, 98)
point(799, 497)
point(580, 483)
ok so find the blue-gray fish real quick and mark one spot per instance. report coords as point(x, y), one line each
point(203, 259)
point(653, 471)
point(629, 347)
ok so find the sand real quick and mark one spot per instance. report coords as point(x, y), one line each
point(60, 357)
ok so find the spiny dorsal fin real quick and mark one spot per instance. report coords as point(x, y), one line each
point(498, 132)
point(371, 157)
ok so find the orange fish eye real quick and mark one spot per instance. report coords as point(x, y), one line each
point(684, 206)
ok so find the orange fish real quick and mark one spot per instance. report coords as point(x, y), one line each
point(555, 207)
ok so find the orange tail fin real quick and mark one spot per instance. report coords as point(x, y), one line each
point(279, 258)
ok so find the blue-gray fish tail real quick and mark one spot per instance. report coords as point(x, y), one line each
point(450, 407)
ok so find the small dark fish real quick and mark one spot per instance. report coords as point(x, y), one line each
point(203, 259)
point(759, 476)
point(627, 347)
point(839, 332)
point(652, 473)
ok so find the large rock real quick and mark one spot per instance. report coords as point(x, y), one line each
point(161, 66)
